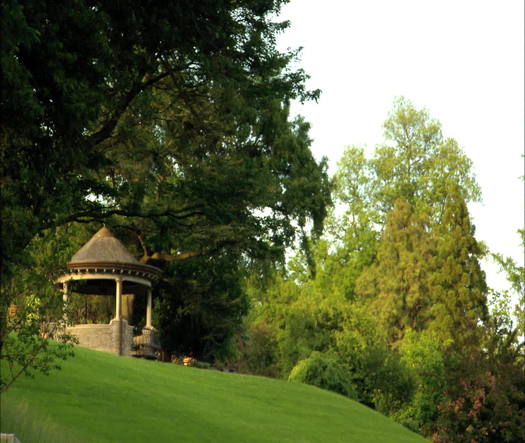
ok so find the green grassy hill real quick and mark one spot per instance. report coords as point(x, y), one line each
point(98, 397)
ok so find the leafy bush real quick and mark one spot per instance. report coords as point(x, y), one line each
point(201, 364)
point(325, 372)
point(481, 410)
point(257, 351)
point(423, 354)
point(381, 379)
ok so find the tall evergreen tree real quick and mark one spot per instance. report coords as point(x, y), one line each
point(397, 284)
point(428, 275)
point(459, 290)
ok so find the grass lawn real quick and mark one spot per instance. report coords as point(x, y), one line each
point(98, 397)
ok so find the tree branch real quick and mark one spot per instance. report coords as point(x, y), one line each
point(178, 257)
point(190, 254)
point(110, 124)
point(95, 215)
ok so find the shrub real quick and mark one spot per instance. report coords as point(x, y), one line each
point(256, 352)
point(325, 372)
point(482, 411)
point(201, 364)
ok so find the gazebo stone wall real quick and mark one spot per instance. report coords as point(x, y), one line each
point(115, 337)
point(107, 268)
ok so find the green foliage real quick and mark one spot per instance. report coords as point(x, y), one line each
point(427, 276)
point(202, 310)
point(381, 379)
point(53, 64)
point(120, 101)
point(313, 318)
point(395, 295)
point(33, 313)
point(170, 123)
point(422, 353)
point(391, 381)
point(420, 165)
point(428, 292)
point(303, 317)
point(501, 337)
point(459, 288)
point(256, 351)
point(516, 277)
point(325, 372)
point(397, 285)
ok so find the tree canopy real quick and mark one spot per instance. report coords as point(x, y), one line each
point(109, 106)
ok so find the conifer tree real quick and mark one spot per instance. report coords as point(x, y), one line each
point(397, 284)
point(458, 283)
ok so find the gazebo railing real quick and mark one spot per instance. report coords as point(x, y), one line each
point(146, 345)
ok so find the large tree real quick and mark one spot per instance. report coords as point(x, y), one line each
point(75, 74)
point(169, 122)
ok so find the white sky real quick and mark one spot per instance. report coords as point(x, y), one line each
point(463, 60)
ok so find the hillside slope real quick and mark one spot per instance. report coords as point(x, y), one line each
point(98, 397)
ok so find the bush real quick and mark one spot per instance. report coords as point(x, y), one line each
point(201, 364)
point(482, 410)
point(391, 382)
point(256, 352)
point(382, 381)
point(325, 372)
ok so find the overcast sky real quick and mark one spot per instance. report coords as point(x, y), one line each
point(463, 60)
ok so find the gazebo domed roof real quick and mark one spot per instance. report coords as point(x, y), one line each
point(103, 247)
point(105, 254)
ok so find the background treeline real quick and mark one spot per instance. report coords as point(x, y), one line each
point(170, 124)
point(390, 307)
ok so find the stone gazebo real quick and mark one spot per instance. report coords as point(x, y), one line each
point(103, 266)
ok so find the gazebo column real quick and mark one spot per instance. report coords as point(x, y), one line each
point(148, 311)
point(65, 298)
point(118, 296)
point(65, 293)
